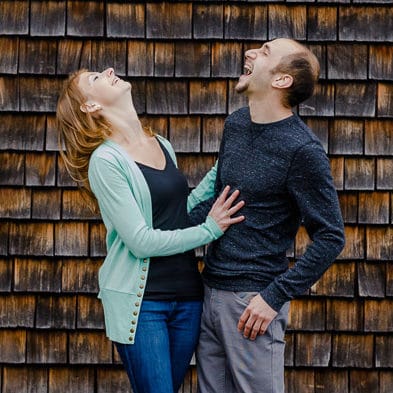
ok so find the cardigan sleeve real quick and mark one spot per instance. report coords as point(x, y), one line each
point(118, 205)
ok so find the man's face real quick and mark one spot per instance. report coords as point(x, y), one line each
point(260, 62)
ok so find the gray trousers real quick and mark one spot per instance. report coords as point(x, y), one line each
point(229, 363)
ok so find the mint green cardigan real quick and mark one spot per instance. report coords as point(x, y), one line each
point(125, 205)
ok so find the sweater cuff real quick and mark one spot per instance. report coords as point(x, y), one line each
point(213, 227)
point(274, 297)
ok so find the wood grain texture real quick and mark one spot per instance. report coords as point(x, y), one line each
point(288, 22)
point(379, 243)
point(125, 20)
point(40, 169)
point(111, 54)
point(374, 208)
point(112, 381)
point(6, 266)
point(47, 18)
point(73, 55)
point(195, 167)
point(371, 279)
point(313, 349)
point(379, 315)
point(192, 59)
point(300, 381)
point(308, 315)
point(71, 238)
point(235, 100)
point(359, 173)
point(346, 137)
point(385, 100)
point(14, 346)
point(353, 350)
point(227, 59)
point(46, 347)
point(331, 381)
point(212, 129)
point(185, 133)
point(379, 137)
point(337, 168)
point(351, 66)
point(140, 58)
point(9, 94)
point(80, 275)
point(56, 312)
point(77, 205)
point(322, 22)
point(162, 97)
point(385, 381)
point(321, 103)
point(17, 311)
point(14, 17)
point(383, 354)
point(208, 97)
point(354, 243)
point(97, 240)
point(85, 18)
point(355, 99)
point(320, 127)
point(90, 313)
point(363, 381)
point(208, 21)
point(164, 59)
point(9, 47)
point(15, 203)
point(89, 347)
point(37, 275)
point(64, 379)
point(344, 315)
point(349, 207)
point(29, 379)
point(46, 204)
point(380, 64)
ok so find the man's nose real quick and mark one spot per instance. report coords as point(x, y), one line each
point(250, 54)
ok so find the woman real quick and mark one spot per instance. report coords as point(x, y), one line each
point(133, 175)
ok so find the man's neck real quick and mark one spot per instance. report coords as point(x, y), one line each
point(265, 110)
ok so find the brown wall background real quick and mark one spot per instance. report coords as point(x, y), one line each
point(183, 59)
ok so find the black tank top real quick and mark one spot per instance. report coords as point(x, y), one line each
point(173, 277)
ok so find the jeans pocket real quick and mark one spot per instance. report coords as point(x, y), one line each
point(244, 297)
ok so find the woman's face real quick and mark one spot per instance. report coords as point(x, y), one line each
point(103, 89)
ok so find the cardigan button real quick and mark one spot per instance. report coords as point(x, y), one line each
point(135, 313)
point(131, 339)
point(143, 277)
point(144, 268)
point(139, 294)
point(133, 322)
point(132, 330)
point(141, 286)
point(145, 260)
point(137, 304)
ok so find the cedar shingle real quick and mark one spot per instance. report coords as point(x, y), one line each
point(97, 240)
point(46, 347)
point(351, 66)
point(307, 314)
point(56, 312)
point(287, 21)
point(331, 381)
point(192, 59)
point(379, 137)
point(90, 347)
point(355, 99)
point(47, 18)
point(371, 279)
point(85, 18)
point(140, 58)
point(300, 381)
point(46, 204)
point(5, 272)
point(235, 100)
point(359, 173)
point(105, 54)
point(245, 22)
point(208, 97)
point(164, 59)
point(208, 21)
point(9, 94)
point(73, 55)
point(63, 178)
point(14, 17)
point(338, 280)
point(38, 94)
point(320, 127)
point(389, 279)
point(40, 169)
point(80, 379)
point(78, 206)
point(354, 243)
point(363, 381)
point(12, 168)
point(379, 243)
point(41, 275)
point(349, 207)
point(379, 315)
point(166, 97)
point(320, 52)
point(109, 380)
point(185, 133)
point(9, 48)
point(227, 59)
point(321, 103)
point(20, 132)
point(384, 173)
point(302, 241)
point(337, 168)
point(212, 133)
point(71, 238)
point(139, 95)
point(322, 23)
point(385, 381)
point(365, 24)
point(353, 350)
point(289, 352)
point(381, 65)
point(31, 239)
point(159, 124)
point(80, 275)
point(168, 20)
point(313, 349)
point(344, 315)
point(346, 137)
point(374, 208)
point(195, 167)
point(383, 351)
point(90, 313)
point(125, 20)
point(17, 311)
point(25, 380)
point(385, 100)
point(13, 348)
point(15, 203)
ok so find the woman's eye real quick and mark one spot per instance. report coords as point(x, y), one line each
point(95, 78)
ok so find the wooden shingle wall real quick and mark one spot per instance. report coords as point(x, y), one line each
point(183, 59)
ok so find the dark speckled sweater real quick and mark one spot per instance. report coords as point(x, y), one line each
point(284, 177)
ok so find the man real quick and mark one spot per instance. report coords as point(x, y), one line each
point(284, 177)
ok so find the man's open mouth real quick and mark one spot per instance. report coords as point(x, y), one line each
point(247, 69)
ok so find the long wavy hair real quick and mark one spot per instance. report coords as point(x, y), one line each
point(80, 133)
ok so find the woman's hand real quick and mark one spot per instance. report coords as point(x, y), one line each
point(222, 209)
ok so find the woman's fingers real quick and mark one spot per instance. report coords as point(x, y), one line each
point(236, 208)
point(228, 202)
point(236, 220)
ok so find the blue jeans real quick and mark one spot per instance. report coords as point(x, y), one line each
point(165, 340)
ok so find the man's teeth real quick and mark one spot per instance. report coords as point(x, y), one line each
point(247, 71)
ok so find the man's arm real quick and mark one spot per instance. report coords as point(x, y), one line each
point(311, 186)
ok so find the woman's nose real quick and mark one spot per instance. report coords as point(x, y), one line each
point(109, 71)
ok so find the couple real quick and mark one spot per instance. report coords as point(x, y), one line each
point(272, 175)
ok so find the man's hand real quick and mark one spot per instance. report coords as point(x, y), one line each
point(256, 318)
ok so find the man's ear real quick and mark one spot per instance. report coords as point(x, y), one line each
point(90, 107)
point(282, 81)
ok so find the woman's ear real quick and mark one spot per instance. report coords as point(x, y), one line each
point(90, 107)
point(282, 81)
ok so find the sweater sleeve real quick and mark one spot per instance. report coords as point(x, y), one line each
point(118, 204)
point(310, 184)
